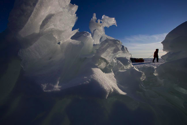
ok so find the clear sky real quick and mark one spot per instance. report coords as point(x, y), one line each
point(142, 24)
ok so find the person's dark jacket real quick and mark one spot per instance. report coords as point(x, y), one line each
point(156, 53)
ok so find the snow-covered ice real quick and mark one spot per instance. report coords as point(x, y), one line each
point(149, 62)
point(57, 62)
point(97, 27)
point(56, 57)
point(175, 44)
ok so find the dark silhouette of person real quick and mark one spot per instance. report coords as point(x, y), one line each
point(155, 55)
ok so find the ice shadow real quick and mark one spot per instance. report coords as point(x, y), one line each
point(121, 115)
point(86, 112)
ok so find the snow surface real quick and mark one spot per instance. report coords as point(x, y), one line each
point(149, 62)
point(61, 62)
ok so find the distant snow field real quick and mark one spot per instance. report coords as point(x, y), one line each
point(148, 62)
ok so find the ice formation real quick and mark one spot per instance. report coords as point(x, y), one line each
point(97, 27)
point(58, 58)
point(169, 79)
point(63, 62)
point(175, 44)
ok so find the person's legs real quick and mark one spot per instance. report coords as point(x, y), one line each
point(154, 60)
point(157, 58)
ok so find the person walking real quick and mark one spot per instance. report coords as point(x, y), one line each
point(155, 55)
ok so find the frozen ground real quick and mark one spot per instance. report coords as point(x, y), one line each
point(148, 62)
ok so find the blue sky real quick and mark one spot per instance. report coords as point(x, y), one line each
point(142, 24)
point(5, 8)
